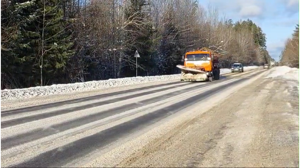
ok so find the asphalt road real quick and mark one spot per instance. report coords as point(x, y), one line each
point(80, 131)
point(257, 126)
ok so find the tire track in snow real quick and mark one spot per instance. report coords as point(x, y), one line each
point(22, 120)
point(34, 108)
point(87, 144)
point(40, 133)
point(63, 155)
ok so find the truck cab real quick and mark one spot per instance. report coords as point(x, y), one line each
point(201, 60)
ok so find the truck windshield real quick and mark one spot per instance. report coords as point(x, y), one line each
point(197, 57)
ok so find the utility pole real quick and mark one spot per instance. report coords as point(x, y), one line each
point(136, 55)
point(114, 50)
point(209, 37)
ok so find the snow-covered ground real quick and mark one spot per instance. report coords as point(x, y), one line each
point(284, 72)
point(228, 70)
point(10, 94)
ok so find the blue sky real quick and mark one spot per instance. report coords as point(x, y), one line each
point(277, 18)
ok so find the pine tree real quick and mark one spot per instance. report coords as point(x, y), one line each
point(8, 28)
point(57, 41)
point(258, 35)
point(41, 44)
point(139, 33)
point(169, 47)
point(296, 33)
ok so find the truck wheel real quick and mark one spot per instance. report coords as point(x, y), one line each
point(216, 74)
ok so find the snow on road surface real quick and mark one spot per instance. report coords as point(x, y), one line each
point(228, 70)
point(284, 72)
point(258, 126)
point(77, 131)
point(14, 94)
point(244, 119)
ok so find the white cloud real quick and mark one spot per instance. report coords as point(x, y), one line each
point(291, 22)
point(277, 18)
point(276, 48)
point(293, 2)
point(245, 9)
point(250, 11)
point(291, 6)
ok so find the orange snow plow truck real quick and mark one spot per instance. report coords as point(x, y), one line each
point(200, 65)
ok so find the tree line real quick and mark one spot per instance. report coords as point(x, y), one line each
point(290, 53)
point(64, 41)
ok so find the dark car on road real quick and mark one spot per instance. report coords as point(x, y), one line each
point(237, 67)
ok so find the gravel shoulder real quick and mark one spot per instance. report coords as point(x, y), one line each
point(254, 127)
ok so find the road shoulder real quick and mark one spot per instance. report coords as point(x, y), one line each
point(256, 126)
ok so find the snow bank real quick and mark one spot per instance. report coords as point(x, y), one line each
point(228, 70)
point(225, 71)
point(284, 72)
point(10, 94)
point(246, 68)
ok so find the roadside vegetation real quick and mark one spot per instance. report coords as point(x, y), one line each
point(290, 53)
point(46, 42)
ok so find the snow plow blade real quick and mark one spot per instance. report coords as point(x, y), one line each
point(190, 74)
point(189, 69)
point(193, 77)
